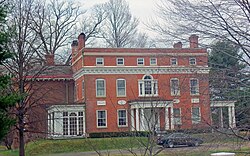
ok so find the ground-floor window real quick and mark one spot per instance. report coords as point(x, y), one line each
point(73, 123)
point(101, 118)
point(122, 118)
point(177, 116)
point(196, 117)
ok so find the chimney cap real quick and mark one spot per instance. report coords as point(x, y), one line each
point(82, 34)
point(74, 43)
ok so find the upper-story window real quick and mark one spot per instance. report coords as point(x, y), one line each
point(99, 61)
point(100, 88)
point(119, 61)
point(153, 61)
point(148, 86)
point(140, 61)
point(174, 61)
point(192, 61)
point(194, 87)
point(175, 86)
point(82, 88)
point(121, 87)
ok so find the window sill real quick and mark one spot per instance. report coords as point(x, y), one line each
point(156, 95)
point(122, 126)
point(121, 96)
point(102, 126)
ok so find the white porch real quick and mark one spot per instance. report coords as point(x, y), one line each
point(66, 121)
point(146, 115)
point(218, 106)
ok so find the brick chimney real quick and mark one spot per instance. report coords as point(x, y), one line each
point(49, 59)
point(81, 41)
point(178, 45)
point(193, 40)
point(74, 46)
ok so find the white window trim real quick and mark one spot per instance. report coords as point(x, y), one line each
point(198, 90)
point(104, 88)
point(118, 118)
point(105, 118)
point(178, 93)
point(122, 61)
point(176, 61)
point(143, 87)
point(101, 61)
point(180, 117)
point(190, 61)
point(196, 122)
point(138, 61)
point(155, 61)
point(117, 88)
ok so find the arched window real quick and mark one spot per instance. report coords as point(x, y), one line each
point(148, 86)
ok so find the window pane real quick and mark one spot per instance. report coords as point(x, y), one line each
point(175, 90)
point(196, 115)
point(101, 118)
point(194, 88)
point(73, 124)
point(100, 88)
point(122, 118)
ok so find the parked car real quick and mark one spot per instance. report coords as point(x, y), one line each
point(176, 139)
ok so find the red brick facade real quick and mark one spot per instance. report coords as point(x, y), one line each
point(158, 67)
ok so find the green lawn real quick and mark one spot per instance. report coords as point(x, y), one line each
point(45, 147)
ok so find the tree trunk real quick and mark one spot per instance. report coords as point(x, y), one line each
point(21, 135)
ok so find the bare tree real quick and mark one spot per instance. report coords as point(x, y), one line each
point(211, 19)
point(214, 21)
point(120, 27)
point(53, 22)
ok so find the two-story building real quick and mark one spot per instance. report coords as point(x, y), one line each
point(135, 89)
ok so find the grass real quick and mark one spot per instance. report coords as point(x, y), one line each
point(45, 147)
point(81, 145)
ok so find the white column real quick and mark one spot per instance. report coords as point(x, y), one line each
point(230, 117)
point(142, 120)
point(233, 118)
point(166, 119)
point(132, 120)
point(221, 118)
point(172, 118)
point(137, 119)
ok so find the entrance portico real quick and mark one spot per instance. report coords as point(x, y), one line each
point(151, 115)
point(218, 109)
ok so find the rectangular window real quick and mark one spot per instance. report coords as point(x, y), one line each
point(194, 87)
point(121, 87)
point(192, 61)
point(100, 88)
point(196, 117)
point(153, 61)
point(101, 118)
point(140, 61)
point(173, 61)
point(177, 116)
point(65, 123)
point(175, 87)
point(122, 118)
point(82, 88)
point(99, 61)
point(120, 61)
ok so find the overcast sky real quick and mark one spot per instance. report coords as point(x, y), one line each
point(142, 9)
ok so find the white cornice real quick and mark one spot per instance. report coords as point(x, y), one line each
point(141, 54)
point(109, 70)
